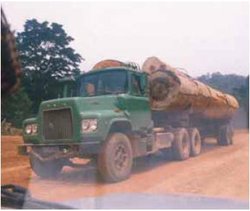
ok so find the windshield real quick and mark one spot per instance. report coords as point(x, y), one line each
point(103, 83)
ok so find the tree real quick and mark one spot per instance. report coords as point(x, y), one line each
point(16, 108)
point(46, 56)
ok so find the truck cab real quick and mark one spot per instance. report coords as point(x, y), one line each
point(106, 117)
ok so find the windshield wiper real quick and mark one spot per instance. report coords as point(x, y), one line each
point(18, 197)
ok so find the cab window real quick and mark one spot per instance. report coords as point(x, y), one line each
point(136, 85)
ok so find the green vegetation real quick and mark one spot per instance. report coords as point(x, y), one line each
point(16, 107)
point(46, 56)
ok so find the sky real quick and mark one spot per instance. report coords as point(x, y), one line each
point(200, 37)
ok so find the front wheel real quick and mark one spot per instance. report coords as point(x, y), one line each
point(46, 169)
point(116, 158)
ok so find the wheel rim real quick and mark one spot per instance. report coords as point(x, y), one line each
point(121, 157)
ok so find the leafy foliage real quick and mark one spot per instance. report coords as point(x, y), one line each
point(16, 108)
point(46, 56)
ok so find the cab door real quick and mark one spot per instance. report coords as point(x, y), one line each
point(138, 103)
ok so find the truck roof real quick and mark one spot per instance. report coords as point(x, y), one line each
point(110, 69)
point(121, 68)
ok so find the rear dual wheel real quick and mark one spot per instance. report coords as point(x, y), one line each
point(225, 136)
point(187, 143)
point(181, 144)
point(195, 141)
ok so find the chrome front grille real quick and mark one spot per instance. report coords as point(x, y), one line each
point(57, 124)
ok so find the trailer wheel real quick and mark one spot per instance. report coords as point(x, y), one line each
point(225, 136)
point(195, 141)
point(181, 144)
point(116, 158)
point(46, 169)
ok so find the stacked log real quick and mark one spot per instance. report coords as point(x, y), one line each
point(107, 63)
point(173, 90)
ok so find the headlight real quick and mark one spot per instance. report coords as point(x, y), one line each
point(34, 128)
point(31, 129)
point(28, 129)
point(89, 125)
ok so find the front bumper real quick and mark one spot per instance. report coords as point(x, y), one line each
point(45, 152)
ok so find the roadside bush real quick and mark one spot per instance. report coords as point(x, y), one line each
point(7, 129)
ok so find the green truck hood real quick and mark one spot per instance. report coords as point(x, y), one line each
point(82, 104)
point(103, 108)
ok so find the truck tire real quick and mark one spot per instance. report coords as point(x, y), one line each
point(195, 141)
point(116, 158)
point(181, 145)
point(46, 169)
point(225, 136)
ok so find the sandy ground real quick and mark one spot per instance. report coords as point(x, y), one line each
point(217, 172)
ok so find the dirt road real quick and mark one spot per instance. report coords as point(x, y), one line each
point(218, 172)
